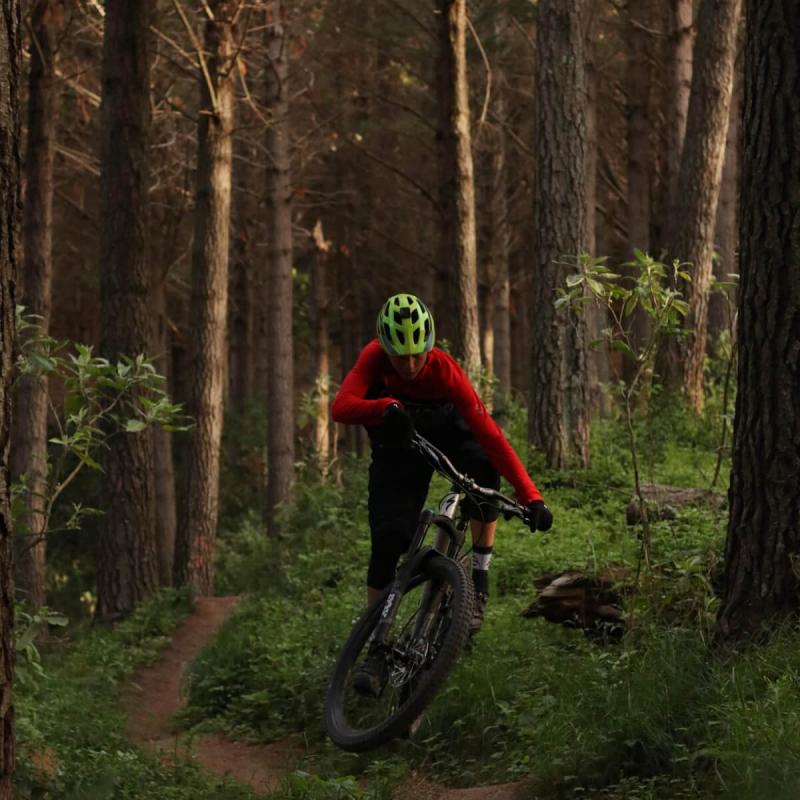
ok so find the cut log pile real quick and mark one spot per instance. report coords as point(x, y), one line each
point(578, 600)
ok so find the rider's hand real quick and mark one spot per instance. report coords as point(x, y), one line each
point(398, 427)
point(540, 518)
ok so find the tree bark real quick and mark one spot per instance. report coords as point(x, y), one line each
point(457, 180)
point(640, 155)
point(761, 578)
point(498, 236)
point(597, 372)
point(166, 516)
point(242, 303)
point(10, 64)
point(321, 373)
point(680, 84)
point(558, 401)
point(675, 91)
point(127, 561)
point(692, 222)
point(280, 378)
point(726, 231)
point(29, 435)
point(197, 526)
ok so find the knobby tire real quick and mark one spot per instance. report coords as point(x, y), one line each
point(422, 690)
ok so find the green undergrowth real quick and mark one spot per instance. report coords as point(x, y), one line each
point(71, 741)
point(662, 714)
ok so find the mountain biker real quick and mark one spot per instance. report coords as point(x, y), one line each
point(399, 383)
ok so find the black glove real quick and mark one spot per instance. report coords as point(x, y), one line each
point(398, 427)
point(540, 518)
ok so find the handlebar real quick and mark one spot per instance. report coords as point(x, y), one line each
point(441, 463)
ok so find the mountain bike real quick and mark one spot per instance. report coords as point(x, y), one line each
point(419, 625)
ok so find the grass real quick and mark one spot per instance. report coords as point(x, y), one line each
point(71, 729)
point(661, 715)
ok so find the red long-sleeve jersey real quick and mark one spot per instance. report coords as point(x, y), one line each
point(441, 380)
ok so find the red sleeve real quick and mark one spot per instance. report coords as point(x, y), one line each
point(489, 436)
point(349, 406)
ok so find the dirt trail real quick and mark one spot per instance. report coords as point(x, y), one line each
point(153, 696)
point(418, 787)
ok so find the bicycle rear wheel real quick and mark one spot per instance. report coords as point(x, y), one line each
point(418, 661)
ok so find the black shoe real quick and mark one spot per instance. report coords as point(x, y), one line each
point(478, 612)
point(370, 677)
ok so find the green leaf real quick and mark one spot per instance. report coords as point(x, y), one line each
point(623, 347)
point(135, 425)
point(574, 280)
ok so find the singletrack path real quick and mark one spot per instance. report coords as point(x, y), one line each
point(153, 696)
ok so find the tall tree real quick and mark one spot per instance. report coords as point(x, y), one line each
point(597, 371)
point(726, 231)
point(680, 86)
point(319, 297)
point(127, 561)
point(558, 399)
point(761, 582)
point(676, 65)
point(197, 526)
point(278, 301)
point(10, 58)
point(457, 196)
point(692, 221)
point(29, 435)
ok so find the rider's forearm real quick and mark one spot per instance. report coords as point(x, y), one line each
point(350, 409)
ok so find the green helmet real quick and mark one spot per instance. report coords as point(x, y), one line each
point(405, 326)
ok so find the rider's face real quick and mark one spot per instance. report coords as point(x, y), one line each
point(408, 367)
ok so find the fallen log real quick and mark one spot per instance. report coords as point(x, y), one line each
point(663, 502)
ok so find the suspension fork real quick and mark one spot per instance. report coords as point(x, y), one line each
point(412, 560)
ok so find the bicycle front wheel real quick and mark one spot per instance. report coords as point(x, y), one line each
point(425, 641)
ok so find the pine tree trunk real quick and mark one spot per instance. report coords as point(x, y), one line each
point(197, 526)
point(498, 307)
point(318, 307)
point(726, 233)
point(761, 580)
point(29, 434)
point(127, 561)
point(692, 223)
point(558, 400)
point(675, 65)
point(680, 84)
point(10, 68)
point(280, 378)
point(640, 155)
point(166, 517)
point(458, 186)
point(242, 303)
point(597, 374)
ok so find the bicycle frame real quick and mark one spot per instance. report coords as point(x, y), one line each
point(450, 537)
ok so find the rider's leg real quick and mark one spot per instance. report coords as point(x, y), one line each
point(471, 458)
point(398, 486)
point(482, 546)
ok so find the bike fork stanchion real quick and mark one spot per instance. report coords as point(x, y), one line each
point(389, 610)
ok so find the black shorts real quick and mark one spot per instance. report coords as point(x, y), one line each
point(398, 488)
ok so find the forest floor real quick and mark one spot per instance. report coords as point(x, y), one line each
point(153, 696)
